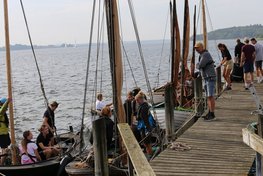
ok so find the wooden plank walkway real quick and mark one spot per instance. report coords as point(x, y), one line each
point(217, 147)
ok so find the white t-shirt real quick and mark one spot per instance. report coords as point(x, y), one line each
point(30, 150)
point(100, 105)
point(259, 51)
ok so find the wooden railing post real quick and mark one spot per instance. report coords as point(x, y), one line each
point(218, 81)
point(259, 159)
point(100, 147)
point(169, 110)
point(198, 88)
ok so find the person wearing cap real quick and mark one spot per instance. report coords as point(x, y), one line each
point(238, 49)
point(49, 118)
point(259, 59)
point(227, 63)
point(206, 67)
point(4, 123)
point(247, 61)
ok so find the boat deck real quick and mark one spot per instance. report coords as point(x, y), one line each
point(217, 147)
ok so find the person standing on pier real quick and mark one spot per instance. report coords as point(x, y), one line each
point(248, 56)
point(238, 49)
point(206, 66)
point(259, 59)
point(227, 63)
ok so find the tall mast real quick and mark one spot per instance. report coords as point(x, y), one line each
point(115, 58)
point(9, 81)
point(204, 25)
point(186, 39)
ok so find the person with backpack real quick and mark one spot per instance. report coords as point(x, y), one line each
point(29, 152)
point(145, 120)
point(206, 67)
point(4, 127)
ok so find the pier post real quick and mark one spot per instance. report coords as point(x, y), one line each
point(100, 147)
point(169, 110)
point(198, 88)
point(259, 159)
point(218, 80)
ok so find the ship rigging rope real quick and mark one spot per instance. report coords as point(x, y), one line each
point(99, 43)
point(161, 57)
point(140, 51)
point(34, 55)
point(87, 75)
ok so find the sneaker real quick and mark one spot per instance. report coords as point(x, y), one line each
point(210, 118)
point(205, 116)
point(228, 88)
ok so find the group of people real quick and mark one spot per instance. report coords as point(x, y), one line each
point(246, 56)
point(138, 116)
point(30, 151)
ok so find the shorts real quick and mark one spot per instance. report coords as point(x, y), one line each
point(229, 64)
point(258, 64)
point(5, 140)
point(147, 139)
point(210, 86)
point(248, 67)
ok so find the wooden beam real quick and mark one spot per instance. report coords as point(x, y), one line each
point(137, 157)
point(253, 140)
point(169, 110)
point(100, 147)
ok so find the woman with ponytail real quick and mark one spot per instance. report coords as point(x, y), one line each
point(29, 149)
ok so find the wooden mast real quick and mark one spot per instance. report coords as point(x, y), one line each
point(175, 46)
point(194, 41)
point(186, 38)
point(115, 58)
point(204, 25)
point(9, 81)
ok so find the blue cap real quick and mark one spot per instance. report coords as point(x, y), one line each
point(3, 100)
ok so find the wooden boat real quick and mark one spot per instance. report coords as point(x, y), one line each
point(117, 81)
point(52, 166)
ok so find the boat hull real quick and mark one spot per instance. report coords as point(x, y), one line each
point(45, 168)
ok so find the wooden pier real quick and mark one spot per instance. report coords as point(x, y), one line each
point(217, 147)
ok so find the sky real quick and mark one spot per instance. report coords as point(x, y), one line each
point(68, 21)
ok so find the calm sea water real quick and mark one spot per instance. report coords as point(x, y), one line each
point(63, 71)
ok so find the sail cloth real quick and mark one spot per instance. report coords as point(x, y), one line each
point(176, 45)
point(115, 58)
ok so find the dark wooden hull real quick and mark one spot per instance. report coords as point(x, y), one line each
point(44, 168)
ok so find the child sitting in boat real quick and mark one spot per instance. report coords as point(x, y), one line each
point(28, 149)
point(45, 149)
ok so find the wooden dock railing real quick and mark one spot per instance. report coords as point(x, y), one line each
point(136, 158)
point(255, 141)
